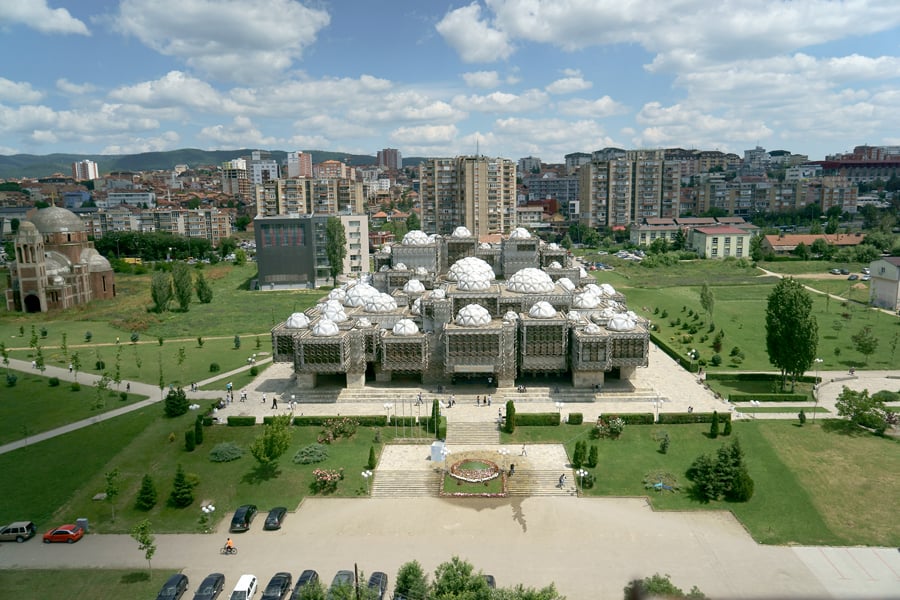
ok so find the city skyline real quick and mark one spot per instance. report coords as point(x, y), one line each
point(509, 78)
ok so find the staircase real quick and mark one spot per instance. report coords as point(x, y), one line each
point(539, 483)
point(406, 484)
point(477, 433)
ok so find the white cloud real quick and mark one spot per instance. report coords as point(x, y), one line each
point(240, 133)
point(333, 127)
point(37, 15)
point(168, 140)
point(242, 40)
point(18, 92)
point(427, 135)
point(482, 79)
point(688, 126)
point(568, 85)
point(595, 109)
point(74, 89)
point(473, 39)
point(502, 102)
point(175, 89)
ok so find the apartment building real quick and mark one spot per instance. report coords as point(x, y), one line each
point(85, 170)
point(235, 179)
point(211, 224)
point(549, 185)
point(477, 192)
point(298, 164)
point(309, 195)
point(334, 169)
point(605, 196)
point(390, 158)
point(720, 241)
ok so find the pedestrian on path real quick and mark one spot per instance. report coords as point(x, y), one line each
point(71, 366)
point(243, 395)
point(489, 398)
point(562, 481)
point(34, 364)
point(524, 451)
point(264, 398)
point(477, 400)
point(274, 401)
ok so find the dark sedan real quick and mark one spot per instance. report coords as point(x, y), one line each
point(378, 583)
point(243, 516)
point(275, 518)
point(173, 588)
point(278, 586)
point(307, 578)
point(211, 587)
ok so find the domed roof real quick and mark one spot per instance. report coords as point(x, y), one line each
point(530, 281)
point(416, 307)
point(416, 237)
point(582, 273)
point(554, 265)
point(94, 260)
point(298, 320)
point(325, 328)
point(405, 327)
point(334, 311)
point(386, 248)
point(586, 299)
point(519, 233)
point(401, 267)
point(566, 284)
point(461, 232)
point(511, 316)
point(592, 328)
point(574, 315)
point(608, 290)
point(471, 266)
point(542, 310)
point(363, 322)
point(338, 294)
point(621, 322)
point(380, 303)
point(473, 315)
point(56, 263)
point(358, 294)
point(421, 272)
point(553, 246)
point(413, 286)
point(54, 219)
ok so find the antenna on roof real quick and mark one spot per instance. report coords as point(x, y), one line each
point(476, 144)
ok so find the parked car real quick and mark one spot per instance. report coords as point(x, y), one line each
point(307, 578)
point(835, 271)
point(17, 532)
point(866, 271)
point(853, 277)
point(173, 588)
point(245, 588)
point(211, 587)
point(341, 579)
point(64, 533)
point(866, 277)
point(378, 583)
point(275, 518)
point(492, 583)
point(845, 272)
point(243, 516)
point(278, 586)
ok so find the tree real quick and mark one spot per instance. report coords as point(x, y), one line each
point(679, 240)
point(436, 417)
point(183, 284)
point(237, 342)
point(865, 342)
point(801, 251)
point(182, 490)
point(240, 257)
point(659, 586)
point(792, 332)
point(413, 222)
point(146, 498)
point(714, 425)
point(335, 246)
point(198, 430)
point(520, 592)
point(76, 364)
point(862, 409)
point(510, 425)
point(756, 250)
point(268, 447)
point(161, 291)
point(723, 475)
point(112, 489)
point(176, 403)
point(372, 463)
point(411, 581)
point(707, 300)
point(457, 579)
point(204, 291)
point(143, 535)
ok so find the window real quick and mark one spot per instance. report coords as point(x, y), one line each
point(715, 241)
point(715, 252)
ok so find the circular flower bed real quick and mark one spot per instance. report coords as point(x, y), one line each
point(474, 470)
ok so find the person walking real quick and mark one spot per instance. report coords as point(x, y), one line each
point(274, 401)
point(562, 481)
point(524, 451)
point(71, 367)
point(489, 398)
point(264, 398)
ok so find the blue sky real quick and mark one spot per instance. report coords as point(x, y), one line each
point(517, 77)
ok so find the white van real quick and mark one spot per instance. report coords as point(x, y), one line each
point(245, 588)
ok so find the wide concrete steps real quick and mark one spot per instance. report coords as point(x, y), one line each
point(480, 433)
point(406, 484)
point(539, 483)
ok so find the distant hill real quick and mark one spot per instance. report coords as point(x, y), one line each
point(30, 165)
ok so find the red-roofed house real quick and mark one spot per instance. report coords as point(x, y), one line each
point(720, 241)
point(787, 243)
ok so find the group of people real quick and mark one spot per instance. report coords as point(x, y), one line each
point(487, 400)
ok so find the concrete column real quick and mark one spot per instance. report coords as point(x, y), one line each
point(305, 380)
point(356, 380)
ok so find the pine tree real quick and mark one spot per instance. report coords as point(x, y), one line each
point(176, 403)
point(189, 441)
point(198, 430)
point(593, 457)
point(182, 490)
point(146, 498)
point(726, 431)
point(204, 291)
point(714, 426)
point(510, 416)
point(372, 463)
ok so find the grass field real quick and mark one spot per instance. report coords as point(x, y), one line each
point(83, 584)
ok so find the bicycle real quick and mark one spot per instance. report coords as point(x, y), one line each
point(231, 550)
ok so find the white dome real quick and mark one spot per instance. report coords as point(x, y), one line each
point(384, 269)
point(413, 286)
point(582, 273)
point(592, 328)
point(519, 233)
point(421, 272)
point(566, 284)
point(416, 307)
point(386, 248)
point(484, 246)
point(432, 238)
point(621, 322)
point(461, 232)
point(381, 303)
point(608, 289)
point(334, 311)
point(530, 281)
point(470, 265)
point(297, 320)
point(511, 316)
point(358, 294)
point(585, 300)
point(473, 315)
point(366, 278)
point(574, 315)
point(554, 265)
point(400, 267)
point(325, 328)
point(337, 294)
point(594, 289)
point(405, 327)
point(542, 310)
point(416, 237)
point(608, 313)
point(553, 246)
point(473, 282)
point(363, 322)
point(439, 294)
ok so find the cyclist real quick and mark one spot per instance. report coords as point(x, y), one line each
point(229, 545)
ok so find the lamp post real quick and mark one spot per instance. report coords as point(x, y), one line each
point(817, 361)
point(656, 406)
point(581, 473)
point(504, 452)
point(387, 412)
point(692, 354)
point(367, 475)
point(559, 406)
point(207, 510)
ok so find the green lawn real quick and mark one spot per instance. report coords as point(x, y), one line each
point(33, 406)
point(84, 584)
point(725, 387)
point(798, 267)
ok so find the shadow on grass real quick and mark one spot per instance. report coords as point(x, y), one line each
point(135, 577)
point(261, 473)
point(843, 427)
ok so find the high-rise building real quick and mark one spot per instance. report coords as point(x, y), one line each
point(261, 167)
point(305, 196)
point(234, 178)
point(390, 158)
point(298, 164)
point(477, 192)
point(334, 169)
point(85, 170)
point(530, 165)
point(605, 193)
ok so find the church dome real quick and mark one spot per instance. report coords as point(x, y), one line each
point(95, 261)
point(54, 219)
point(530, 281)
point(56, 264)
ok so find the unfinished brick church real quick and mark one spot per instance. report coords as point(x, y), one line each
point(439, 309)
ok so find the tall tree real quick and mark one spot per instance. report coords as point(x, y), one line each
point(335, 246)
point(143, 535)
point(112, 489)
point(865, 342)
point(272, 443)
point(411, 581)
point(204, 291)
point(413, 222)
point(792, 332)
point(457, 579)
point(183, 284)
point(707, 300)
point(161, 291)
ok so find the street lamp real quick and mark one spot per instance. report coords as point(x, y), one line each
point(581, 474)
point(559, 406)
point(387, 412)
point(692, 354)
point(207, 510)
point(818, 361)
point(367, 475)
point(504, 452)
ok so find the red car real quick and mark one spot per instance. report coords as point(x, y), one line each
point(64, 533)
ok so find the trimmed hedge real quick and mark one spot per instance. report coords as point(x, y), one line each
point(575, 419)
point(725, 376)
point(684, 362)
point(207, 421)
point(319, 420)
point(768, 397)
point(537, 419)
point(682, 418)
point(235, 421)
point(634, 418)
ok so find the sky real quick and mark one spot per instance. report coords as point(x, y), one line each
point(509, 78)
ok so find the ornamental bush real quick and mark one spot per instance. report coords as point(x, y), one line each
point(225, 452)
point(313, 453)
point(53, 382)
point(593, 457)
point(146, 498)
point(575, 419)
point(189, 440)
point(176, 403)
point(214, 367)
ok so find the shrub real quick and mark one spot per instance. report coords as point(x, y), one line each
point(254, 371)
point(43, 332)
point(236, 421)
point(75, 387)
point(11, 380)
point(714, 425)
point(716, 359)
point(587, 482)
point(146, 498)
point(576, 418)
point(135, 337)
point(801, 416)
point(510, 425)
point(198, 430)
point(578, 455)
point(225, 452)
point(372, 458)
point(53, 382)
point(537, 419)
point(615, 426)
point(726, 431)
point(182, 490)
point(741, 487)
point(313, 453)
point(199, 341)
point(214, 367)
point(99, 365)
point(189, 440)
point(664, 444)
point(237, 342)
point(160, 340)
point(123, 396)
point(768, 397)
point(593, 456)
point(88, 336)
point(176, 403)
